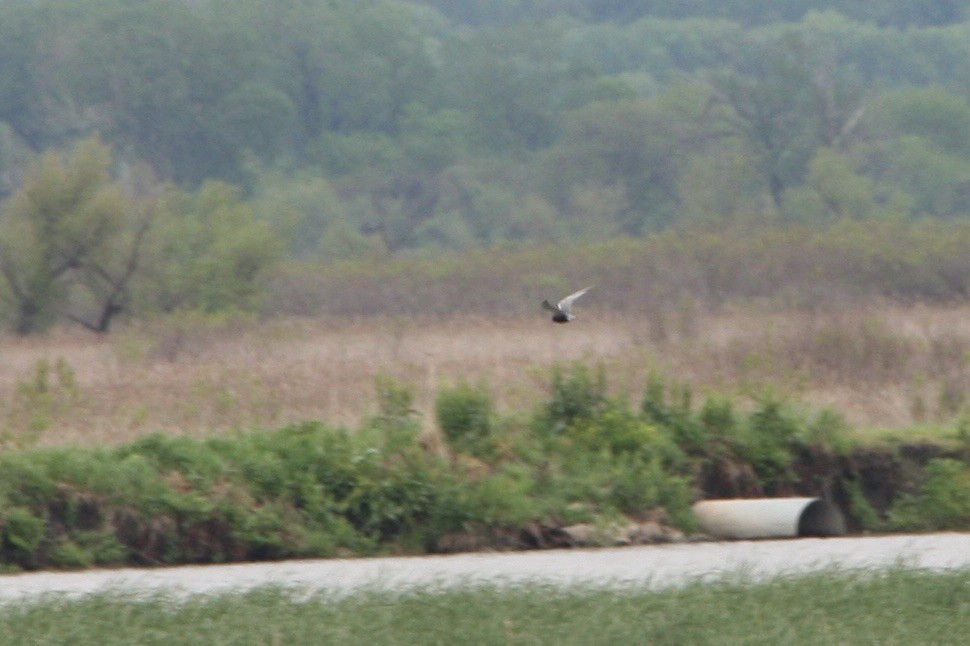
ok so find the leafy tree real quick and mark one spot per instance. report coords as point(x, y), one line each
point(104, 287)
point(300, 205)
point(629, 150)
point(341, 241)
point(68, 214)
point(834, 189)
point(721, 186)
point(938, 182)
point(343, 65)
point(785, 102)
point(175, 87)
point(432, 194)
point(398, 205)
point(256, 117)
point(939, 115)
point(34, 99)
point(434, 140)
point(919, 146)
point(209, 252)
point(509, 82)
point(18, 56)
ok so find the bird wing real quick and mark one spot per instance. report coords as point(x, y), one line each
point(546, 305)
point(566, 303)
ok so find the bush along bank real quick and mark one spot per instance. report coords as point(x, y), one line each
point(584, 468)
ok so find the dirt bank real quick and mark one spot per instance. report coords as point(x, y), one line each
point(871, 476)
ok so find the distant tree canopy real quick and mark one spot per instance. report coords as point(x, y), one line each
point(750, 12)
point(340, 129)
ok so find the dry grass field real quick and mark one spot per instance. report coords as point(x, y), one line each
point(882, 366)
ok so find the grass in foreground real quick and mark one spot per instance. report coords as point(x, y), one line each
point(896, 607)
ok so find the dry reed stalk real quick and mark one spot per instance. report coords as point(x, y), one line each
point(881, 360)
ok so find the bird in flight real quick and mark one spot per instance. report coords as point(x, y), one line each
point(563, 311)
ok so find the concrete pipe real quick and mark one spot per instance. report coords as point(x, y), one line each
point(769, 517)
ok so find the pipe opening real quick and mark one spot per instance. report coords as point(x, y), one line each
point(821, 518)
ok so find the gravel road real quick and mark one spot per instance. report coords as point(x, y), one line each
point(653, 566)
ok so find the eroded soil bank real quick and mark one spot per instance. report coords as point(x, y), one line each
point(863, 485)
point(186, 519)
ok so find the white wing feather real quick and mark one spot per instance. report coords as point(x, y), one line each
point(566, 304)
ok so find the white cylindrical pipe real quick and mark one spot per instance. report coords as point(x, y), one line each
point(769, 517)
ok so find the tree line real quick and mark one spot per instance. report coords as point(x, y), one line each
point(330, 130)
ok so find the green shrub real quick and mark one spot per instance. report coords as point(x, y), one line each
point(770, 440)
point(829, 430)
point(69, 555)
point(397, 418)
point(962, 434)
point(390, 504)
point(506, 498)
point(621, 432)
point(193, 460)
point(675, 416)
point(720, 424)
point(394, 399)
point(103, 545)
point(861, 509)
point(257, 531)
point(943, 501)
point(464, 414)
point(629, 483)
point(22, 533)
point(576, 394)
point(24, 481)
point(640, 483)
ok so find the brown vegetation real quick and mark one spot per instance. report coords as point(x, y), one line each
point(769, 264)
point(882, 366)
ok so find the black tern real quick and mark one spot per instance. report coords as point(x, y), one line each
point(563, 310)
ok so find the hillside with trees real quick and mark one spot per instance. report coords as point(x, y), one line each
point(168, 155)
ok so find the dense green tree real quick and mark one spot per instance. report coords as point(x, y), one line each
point(19, 59)
point(627, 153)
point(938, 115)
point(395, 206)
point(434, 140)
point(301, 207)
point(783, 101)
point(661, 48)
point(920, 144)
point(835, 189)
point(343, 65)
point(720, 186)
point(176, 88)
point(510, 82)
point(208, 252)
point(35, 98)
point(938, 182)
point(68, 214)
